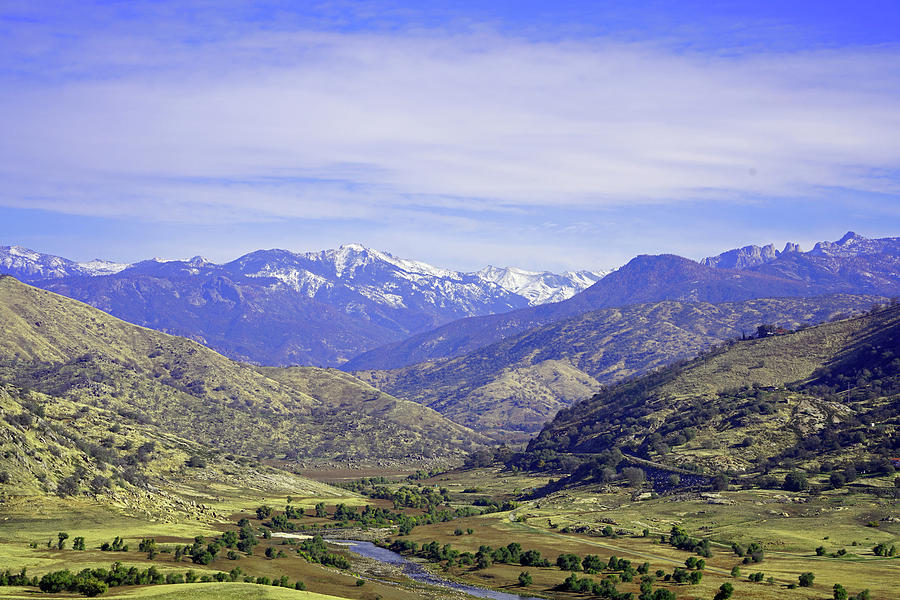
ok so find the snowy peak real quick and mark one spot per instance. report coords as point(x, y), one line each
point(28, 265)
point(350, 258)
point(391, 281)
point(540, 287)
point(98, 267)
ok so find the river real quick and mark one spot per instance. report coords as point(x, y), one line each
point(417, 572)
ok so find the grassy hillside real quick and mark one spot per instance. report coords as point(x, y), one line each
point(66, 349)
point(55, 446)
point(517, 384)
point(821, 399)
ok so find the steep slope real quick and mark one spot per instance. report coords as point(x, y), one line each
point(643, 279)
point(826, 393)
point(520, 382)
point(64, 348)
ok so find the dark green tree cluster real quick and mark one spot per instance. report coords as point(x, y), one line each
point(751, 554)
point(19, 579)
point(315, 550)
point(841, 593)
point(679, 538)
point(884, 550)
point(605, 588)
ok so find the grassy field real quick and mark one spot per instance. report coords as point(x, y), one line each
point(789, 527)
point(220, 591)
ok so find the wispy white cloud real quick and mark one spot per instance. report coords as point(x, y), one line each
point(375, 119)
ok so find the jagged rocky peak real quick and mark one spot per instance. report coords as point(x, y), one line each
point(851, 244)
point(742, 258)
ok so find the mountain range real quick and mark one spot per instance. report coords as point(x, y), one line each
point(853, 265)
point(395, 322)
point(278, 307)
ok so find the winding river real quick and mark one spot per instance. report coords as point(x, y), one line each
point(417, 572)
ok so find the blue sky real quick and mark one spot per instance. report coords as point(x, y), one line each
point(460, 133)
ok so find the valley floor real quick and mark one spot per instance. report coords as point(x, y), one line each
point(789, 527)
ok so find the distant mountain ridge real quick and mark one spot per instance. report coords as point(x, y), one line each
point(541, 287)
point(850, 245)
point(853, 265)
point(278, 307)
point(27, 265)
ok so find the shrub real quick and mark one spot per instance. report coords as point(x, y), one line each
point(796, 481)
point(725, 592)
point(806, 579)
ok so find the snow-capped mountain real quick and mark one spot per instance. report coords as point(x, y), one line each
point(386, 279)
point(98, 266)
point(354, 276)
point(540, 287)
point(28, 265)
point(853, 244)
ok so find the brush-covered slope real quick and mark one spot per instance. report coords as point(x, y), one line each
point(829, 393)
point(519, 383)
point(56, 446)
point(67, 349)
